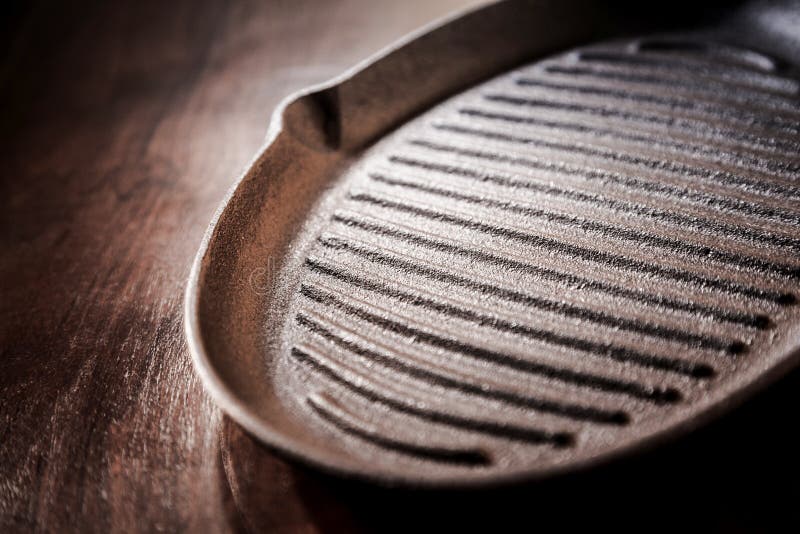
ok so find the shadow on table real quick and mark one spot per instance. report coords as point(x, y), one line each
point(739, 474)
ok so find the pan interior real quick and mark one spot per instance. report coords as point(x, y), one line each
point(551, 266)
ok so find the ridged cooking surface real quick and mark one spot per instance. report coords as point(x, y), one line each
point(545, 268)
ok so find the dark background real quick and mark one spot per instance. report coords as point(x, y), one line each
point(122, 126)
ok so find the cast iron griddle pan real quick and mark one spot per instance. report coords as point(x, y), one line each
point(523, 241)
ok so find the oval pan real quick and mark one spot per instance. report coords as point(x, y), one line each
point(460, 302)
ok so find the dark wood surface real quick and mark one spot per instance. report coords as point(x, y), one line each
point(123, 125)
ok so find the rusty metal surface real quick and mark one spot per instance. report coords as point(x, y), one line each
point(580, 256)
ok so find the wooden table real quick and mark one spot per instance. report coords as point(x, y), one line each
point(123, 125)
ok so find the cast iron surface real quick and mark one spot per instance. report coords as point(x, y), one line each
point(572, 259)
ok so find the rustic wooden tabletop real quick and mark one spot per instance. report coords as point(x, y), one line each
point(123, 125)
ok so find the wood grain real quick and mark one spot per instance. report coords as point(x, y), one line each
point(123, 125)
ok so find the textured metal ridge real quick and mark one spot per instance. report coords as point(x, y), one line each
point(554, 263)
